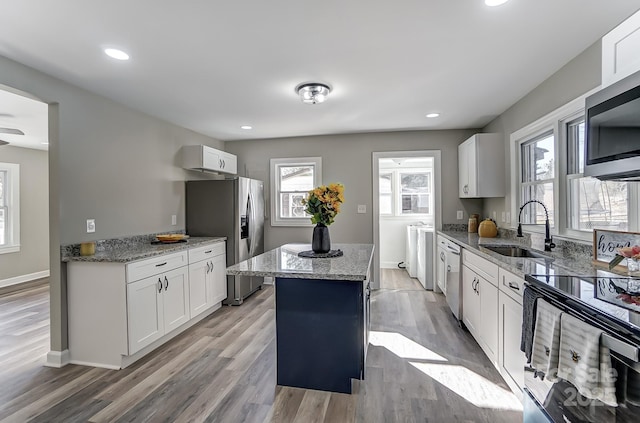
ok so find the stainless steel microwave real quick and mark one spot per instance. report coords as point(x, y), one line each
point(612, 149)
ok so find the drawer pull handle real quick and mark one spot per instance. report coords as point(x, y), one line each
point(208, 252)
point(514, 285)
point(161, 264)
point(166, 283)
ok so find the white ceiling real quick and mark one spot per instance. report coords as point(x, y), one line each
point(25, 114)
point(213, 66)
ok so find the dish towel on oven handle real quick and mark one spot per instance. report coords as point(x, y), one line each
point(528, 321)
point(584, 362)
point(546, 340)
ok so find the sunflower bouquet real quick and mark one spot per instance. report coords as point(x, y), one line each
point(323, 203)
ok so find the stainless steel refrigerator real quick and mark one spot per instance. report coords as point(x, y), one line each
point(233, 208)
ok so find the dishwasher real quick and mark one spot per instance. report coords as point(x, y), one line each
point(449, 279)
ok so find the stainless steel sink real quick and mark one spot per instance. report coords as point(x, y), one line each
point(513, 251)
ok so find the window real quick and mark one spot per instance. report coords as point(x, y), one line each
point(537, 179)
point(9, 208)
point(291, 180)
point(405, 192)
point(548, 158)
point(593, 204)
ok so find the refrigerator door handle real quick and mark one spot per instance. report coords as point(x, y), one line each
point(250, 223)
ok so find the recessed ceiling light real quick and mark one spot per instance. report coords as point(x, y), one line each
point(246, 127)
point(116, 54)
point(433, 115)
point(495, 2)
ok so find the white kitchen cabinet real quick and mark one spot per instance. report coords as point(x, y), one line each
point(207, 277)
point(512, 360)
point(151, 318)
point(481, 171)
point(204, 158)
point(620, 48)
point(145, 314)
point(480, 302)
point(119, 312)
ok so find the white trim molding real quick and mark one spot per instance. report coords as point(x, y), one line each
point(24, 278)
point(274, 180)
point(57, 359)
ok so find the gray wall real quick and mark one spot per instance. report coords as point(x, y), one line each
point(348, 159)
point(33, 256)
point(107, 162)
point(577, 77)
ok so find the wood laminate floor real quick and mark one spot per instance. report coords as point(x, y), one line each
point(421, 368)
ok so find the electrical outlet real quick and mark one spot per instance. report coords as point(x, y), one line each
point(459, 215)
point(508, 217)
point(174, 220)
point(494, 215)
point(91, 226)
point(362, 208)
point(503, 217)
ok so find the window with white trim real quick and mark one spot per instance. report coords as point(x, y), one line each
point(9, 208)
point(291, 180)
point(549, 168)
point(405, 192)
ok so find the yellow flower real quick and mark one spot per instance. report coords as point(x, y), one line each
point(323, 203)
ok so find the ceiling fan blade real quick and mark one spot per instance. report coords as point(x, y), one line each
point(11, 131)
point(3, 142)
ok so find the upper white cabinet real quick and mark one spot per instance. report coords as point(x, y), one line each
point(620, 48)
point(481, 170)
point(203, 158)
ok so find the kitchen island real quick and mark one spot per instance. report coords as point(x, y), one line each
point(322, 313)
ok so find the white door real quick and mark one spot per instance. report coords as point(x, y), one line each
point(470, 300)
point(512, 360)
point(219, 278)
point(199, 288)
point(144, 312)
point(488, 321)
point(175, 295)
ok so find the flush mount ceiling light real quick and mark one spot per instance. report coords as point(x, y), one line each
point(433, 115)
point(313, 93)
point(116, 54)
point(493, 3)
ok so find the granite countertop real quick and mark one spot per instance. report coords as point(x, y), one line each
point(124, 252)
point(284, 262)
point(556, 263)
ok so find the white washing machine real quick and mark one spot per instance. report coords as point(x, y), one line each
point(411, 250)
point(425, 257)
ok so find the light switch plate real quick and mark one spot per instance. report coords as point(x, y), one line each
point(362, 208)
point(503, 217)
point(174, 220)
point(459, 215)
point(508, 217)
point(91, 226)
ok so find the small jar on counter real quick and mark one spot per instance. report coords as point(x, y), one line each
point(473, 223)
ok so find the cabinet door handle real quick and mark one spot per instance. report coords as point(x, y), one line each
point(161, 264)
point(207, 268)
point(166, 283)
point(514, 285)
point(211, 266)
point(159, 285)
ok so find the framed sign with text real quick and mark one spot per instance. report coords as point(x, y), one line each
point(605, 244)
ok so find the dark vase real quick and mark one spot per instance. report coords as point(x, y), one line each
point(321, 242)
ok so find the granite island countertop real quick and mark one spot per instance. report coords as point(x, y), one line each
point(283, 262)
point(125, 252)
point(557, 263)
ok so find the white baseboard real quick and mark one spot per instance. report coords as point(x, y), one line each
point(389, 264)
point(57, 358)
point(24, 278)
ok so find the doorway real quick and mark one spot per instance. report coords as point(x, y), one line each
point(406, 213)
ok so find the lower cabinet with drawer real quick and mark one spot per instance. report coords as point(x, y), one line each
point(207, 278)
point(119, 312)
point(512, 360)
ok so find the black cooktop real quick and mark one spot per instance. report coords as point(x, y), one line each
point(613, 296)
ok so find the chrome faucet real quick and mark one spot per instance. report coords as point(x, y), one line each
point(548, 241)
